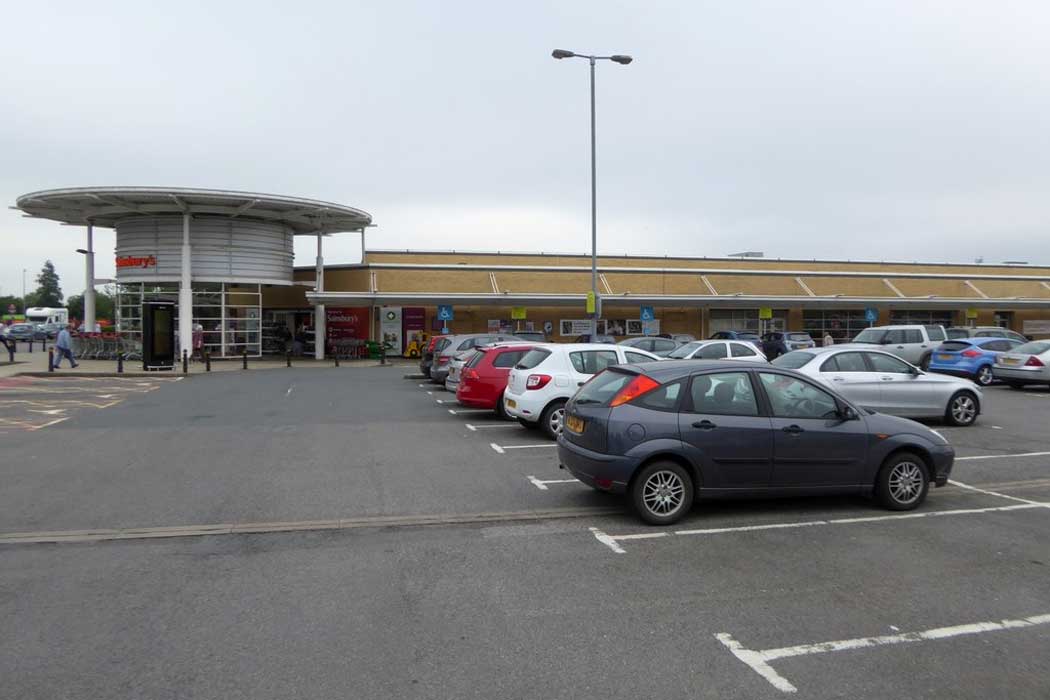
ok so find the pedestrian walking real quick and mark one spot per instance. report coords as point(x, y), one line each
point(828, 340)
point(64, 345)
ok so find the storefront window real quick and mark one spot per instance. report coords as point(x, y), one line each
point(920, 317)
point(745, 320)
point(230, 314)
point(842, 324)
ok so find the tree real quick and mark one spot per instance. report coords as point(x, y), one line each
point(48, 292)
point(105, 305)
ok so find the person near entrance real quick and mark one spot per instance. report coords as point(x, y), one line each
point(828, 339)
point(64, 346)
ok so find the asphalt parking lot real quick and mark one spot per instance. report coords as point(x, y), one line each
point(353, 532)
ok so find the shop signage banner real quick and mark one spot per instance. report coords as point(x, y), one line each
point(390, 328)
point(574, 326)
point(346, 324)
point(142, 261)
point(413, 323)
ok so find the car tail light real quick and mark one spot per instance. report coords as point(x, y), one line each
point(471, 374)
point(1034, 361)
point(635, 388)
point(442, 359)
point(971, 353)
point(537, 381)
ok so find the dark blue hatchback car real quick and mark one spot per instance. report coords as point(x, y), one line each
point(665, 433)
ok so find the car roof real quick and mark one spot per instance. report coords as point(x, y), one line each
point(674, 369)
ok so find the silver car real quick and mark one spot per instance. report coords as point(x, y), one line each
point(883, 382)
point(718, 350)
point(455, 368)
point(1025, 364)
point(458, 344)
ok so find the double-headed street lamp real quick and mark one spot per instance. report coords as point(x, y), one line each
point(622, 60)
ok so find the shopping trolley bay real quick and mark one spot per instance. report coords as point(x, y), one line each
point(355, 530)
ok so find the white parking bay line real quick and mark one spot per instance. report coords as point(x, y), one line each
point(459, 411)
point(758, 660)
point(502, 448)
point(471, 426)
point(541, 484)
point(823, 523)
point(1003, 456)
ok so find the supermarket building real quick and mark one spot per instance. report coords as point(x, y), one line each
point(227, 259)
point(547, 292)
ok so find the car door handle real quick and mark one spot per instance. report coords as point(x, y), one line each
point(838, 379)
point(900, 347)
point(580, 383)
point(886, 379)
point(705, 425)
point(792, 429)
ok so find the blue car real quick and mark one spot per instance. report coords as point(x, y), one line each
point(970, 357)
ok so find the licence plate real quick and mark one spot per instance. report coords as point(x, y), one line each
point(511, 403)
point(1011, 361)
point(945, 357)
point(574, 423)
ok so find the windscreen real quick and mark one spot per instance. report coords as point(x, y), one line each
point(684, 351)
point(476, 359)
point(956, 333)
point(793, 360)
point(799, 337)
point(747, 336)
point(870, 335)
point(533, 358)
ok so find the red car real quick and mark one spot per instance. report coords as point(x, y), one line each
point(484, 378)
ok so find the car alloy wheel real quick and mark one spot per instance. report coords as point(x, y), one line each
point(903, 482)
point(662, 493)
point(984, 376)
point(553, 419)
point(962, 409)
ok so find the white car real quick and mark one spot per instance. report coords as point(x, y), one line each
point(548, 376)
point(718, 350)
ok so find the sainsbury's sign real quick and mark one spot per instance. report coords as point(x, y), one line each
point(142, 261)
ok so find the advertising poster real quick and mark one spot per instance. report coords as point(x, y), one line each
point(390, 328)
point(345, 325)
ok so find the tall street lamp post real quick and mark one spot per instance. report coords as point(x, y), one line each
point(622, 60)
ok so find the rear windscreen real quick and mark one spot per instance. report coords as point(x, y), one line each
point(1036, 347)
point(953, 346)
point(793, 360)
point(533, 358)
point(799, 336)
point(476, 359)
point(935, 332)
point(603, 387)
point(955, 333)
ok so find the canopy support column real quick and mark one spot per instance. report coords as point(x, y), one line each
point(89, 281)
point(319, 317)
point(186, 291)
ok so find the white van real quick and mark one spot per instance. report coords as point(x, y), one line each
point(47, 314)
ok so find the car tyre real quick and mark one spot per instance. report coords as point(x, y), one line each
point(962, 409)
point(924, 363)
point(1015, 385)
point(903, 482)
point(501, 410)
point(662, 493)
point(553, 418)
point(984, 375)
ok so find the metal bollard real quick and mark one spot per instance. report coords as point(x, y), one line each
point(30, 345)
point(288, 357)
point(244, 357)
point(382, 353)
point(185, 362)
point(336, 359)
point(207, 361)
point(120, 363)
point(51, 360)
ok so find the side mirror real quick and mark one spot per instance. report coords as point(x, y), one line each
point(915, 371)
point(847, 413)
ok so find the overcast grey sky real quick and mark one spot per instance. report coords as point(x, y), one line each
point(878, 130)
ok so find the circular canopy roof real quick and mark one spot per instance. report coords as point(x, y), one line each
point(105, 206)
